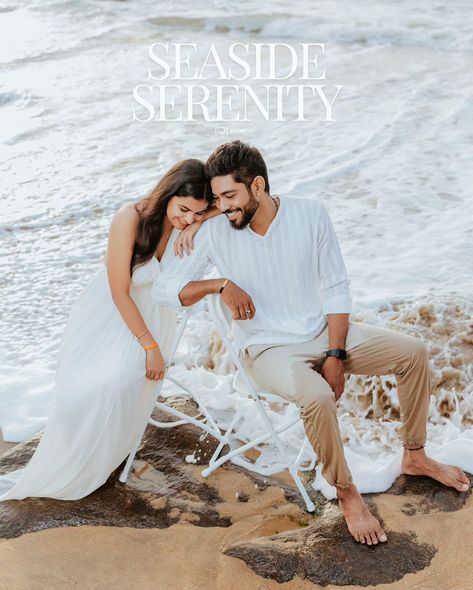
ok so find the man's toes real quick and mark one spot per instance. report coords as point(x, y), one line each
point(463, 478)
point(382, 536)
point(362, 539)
point(374, 538)
point(462, 487)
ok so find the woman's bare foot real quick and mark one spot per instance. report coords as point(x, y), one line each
point(364, 527)
point(417, 463)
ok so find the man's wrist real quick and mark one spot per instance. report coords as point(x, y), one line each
point(339, 353)
point(224, 284)
point(332, 359)
point(216, 285)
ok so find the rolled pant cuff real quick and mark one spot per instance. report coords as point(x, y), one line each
point(343, 485)
point(414, 443)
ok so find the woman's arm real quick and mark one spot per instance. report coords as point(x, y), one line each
point(210, 212)
point(185, 241)
point(121, 239)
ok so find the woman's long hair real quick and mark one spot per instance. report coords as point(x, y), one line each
point(185, 179)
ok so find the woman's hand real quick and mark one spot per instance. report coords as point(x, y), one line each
point(155, 364)
point(185, 240)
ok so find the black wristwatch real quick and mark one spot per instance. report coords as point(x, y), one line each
point(340, 353)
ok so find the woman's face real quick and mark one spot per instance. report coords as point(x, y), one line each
point(182, 211)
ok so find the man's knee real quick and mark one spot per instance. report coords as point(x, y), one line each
point(310, 387)
point(416, 348)
point(415, 352)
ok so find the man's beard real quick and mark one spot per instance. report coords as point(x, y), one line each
point(248, 213)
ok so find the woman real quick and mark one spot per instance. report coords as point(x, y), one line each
point(114, 344)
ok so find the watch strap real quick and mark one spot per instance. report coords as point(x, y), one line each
point(340, 353)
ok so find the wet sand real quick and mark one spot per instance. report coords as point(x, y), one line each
point(188, 557)
point(5, 446)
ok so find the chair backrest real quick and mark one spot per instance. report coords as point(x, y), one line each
point(220, 314)
point(223, 322)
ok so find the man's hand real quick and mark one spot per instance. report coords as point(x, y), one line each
point(332, 371)
point(238, 301)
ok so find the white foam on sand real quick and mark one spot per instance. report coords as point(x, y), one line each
point(369, 413)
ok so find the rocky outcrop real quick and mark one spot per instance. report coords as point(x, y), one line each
point(158, 493)
point(325, 553)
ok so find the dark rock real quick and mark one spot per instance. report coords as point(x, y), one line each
point(431, 494)
point(242, 497)
point(107, 506)
point(167, 494)
point(325, 553)
point(290, 491)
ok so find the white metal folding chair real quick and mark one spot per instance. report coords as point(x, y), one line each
point(222, 321)
point(206, 423)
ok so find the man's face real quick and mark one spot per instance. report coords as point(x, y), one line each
point(234, 200)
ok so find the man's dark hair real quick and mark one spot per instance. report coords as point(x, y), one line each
point(239, 159)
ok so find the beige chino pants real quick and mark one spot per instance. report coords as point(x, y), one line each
point(292, 371)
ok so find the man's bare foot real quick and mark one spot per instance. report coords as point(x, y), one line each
point(417, 463)
point(364, 527)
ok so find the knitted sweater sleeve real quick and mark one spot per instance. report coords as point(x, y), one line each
point(170, 282)
point(332, 272)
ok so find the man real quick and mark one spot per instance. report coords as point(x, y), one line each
point(285, 282)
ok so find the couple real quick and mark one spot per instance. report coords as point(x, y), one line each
point(284, 280)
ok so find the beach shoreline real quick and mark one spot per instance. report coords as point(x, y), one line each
point(5, 446)
point(191, 550)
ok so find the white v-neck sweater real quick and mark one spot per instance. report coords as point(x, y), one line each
point(295, 273)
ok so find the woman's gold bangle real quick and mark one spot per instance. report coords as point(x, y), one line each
point(150, 346)
point(142, 334)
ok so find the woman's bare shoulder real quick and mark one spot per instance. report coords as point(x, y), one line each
point(127, 213)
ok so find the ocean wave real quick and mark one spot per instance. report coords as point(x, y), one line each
point(401, 34)
point(10, 8)
point(409, 32)
point(9, 97)
point(251, 23)
point(73, 213)
point(404, 30)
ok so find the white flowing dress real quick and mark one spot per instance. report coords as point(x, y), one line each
point(101, 398)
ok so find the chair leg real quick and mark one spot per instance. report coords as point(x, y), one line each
point(305, 444)
point(249, 445)
point(217, 463)
point(295, 476)
point(196, 398)
point(215, 432)
point(308, 502)
point(124, 474)
point(224, 440)
point(224, 335)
